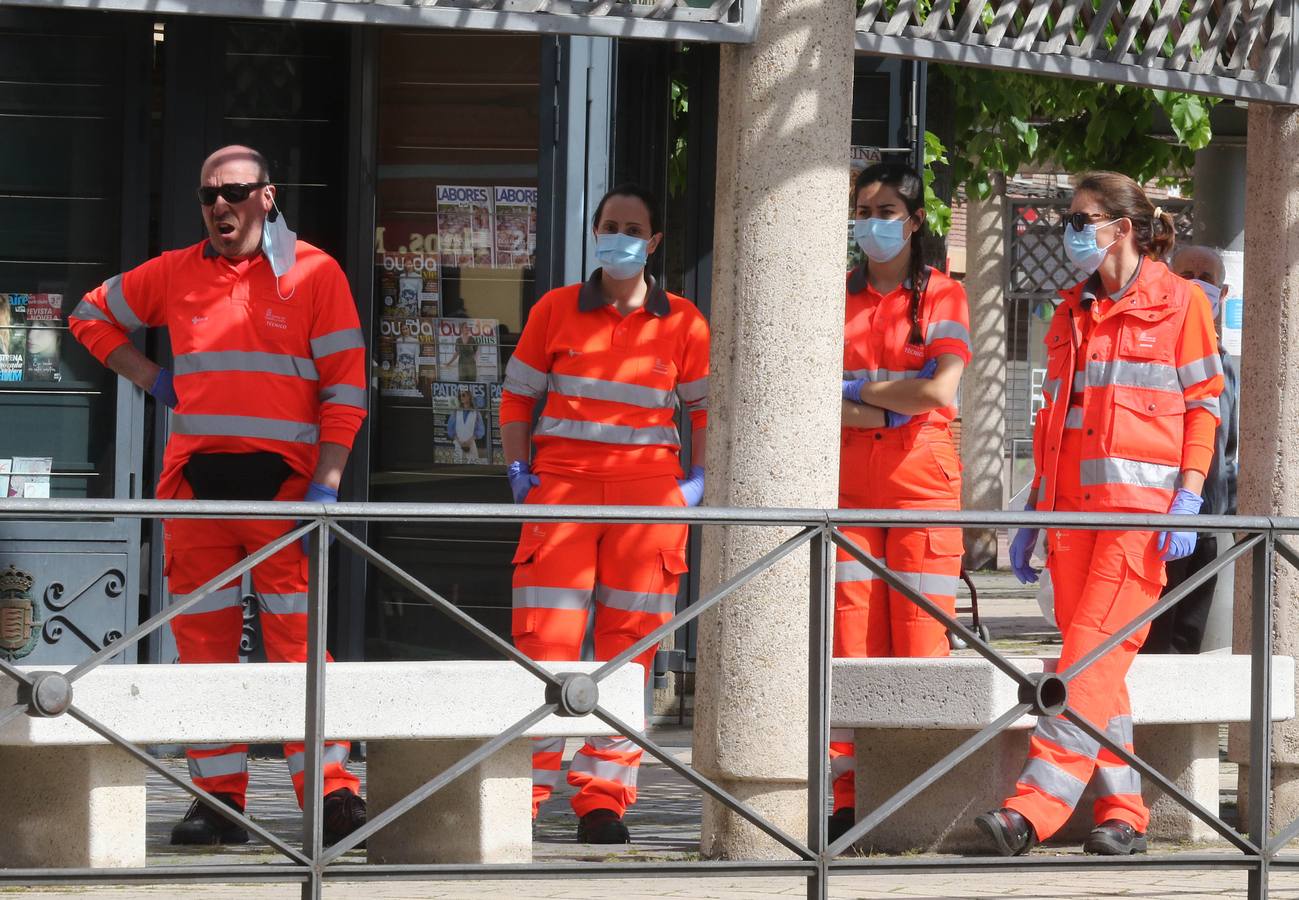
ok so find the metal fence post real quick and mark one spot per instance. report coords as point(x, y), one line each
point(1260, 724)
point(313, 782)
point(821, 584)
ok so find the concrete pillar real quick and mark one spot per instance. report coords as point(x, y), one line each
point(983, 387)
point(777, 362)
point(1269, 405)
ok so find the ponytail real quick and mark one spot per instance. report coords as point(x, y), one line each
point(1163, 234)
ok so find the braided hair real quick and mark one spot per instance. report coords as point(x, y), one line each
point(907, 184)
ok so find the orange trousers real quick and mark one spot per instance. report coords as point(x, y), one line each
point(627, 575)
point(197, 550)
point(1102, 580)
point(912, 467)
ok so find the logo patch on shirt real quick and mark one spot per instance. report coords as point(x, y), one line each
point(572, 352)
point(914, 350)
point(1147, 339)
point(198, 320)
point(660, 367)
point(276, 321)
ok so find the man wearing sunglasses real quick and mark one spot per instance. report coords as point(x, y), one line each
point(268, 391)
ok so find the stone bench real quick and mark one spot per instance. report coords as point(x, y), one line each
point(909, 713)
point(75, 800)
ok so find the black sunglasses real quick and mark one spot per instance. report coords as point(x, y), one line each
point(1079, 220)
point(235, 192)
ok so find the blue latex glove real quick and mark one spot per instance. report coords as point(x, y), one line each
point(852, 389)
point(894, 419)
point(1179, 544)
point(1021, 553)
point(163, 390)
point(317, 493)
point(521, 479)
point(692, 486)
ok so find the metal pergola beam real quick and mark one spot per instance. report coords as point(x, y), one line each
point(722, 21)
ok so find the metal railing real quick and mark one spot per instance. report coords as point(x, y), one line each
point(821, 533)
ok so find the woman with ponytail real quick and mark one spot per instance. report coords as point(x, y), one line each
point(906, 343)
point(1131, 408)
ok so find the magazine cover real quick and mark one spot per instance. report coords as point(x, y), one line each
point(408, 284)
point(498, 449)
point(30, 477)
point(468, 350)
point(42, 363)
point(516, 226)
point(398, 358)
point(13, 336)
point(462, 432)
point(5, 469)
point(424, 332)
point(464, 225)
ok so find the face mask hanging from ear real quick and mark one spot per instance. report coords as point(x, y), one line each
point(279, 243)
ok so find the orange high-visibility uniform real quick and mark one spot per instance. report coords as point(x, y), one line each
point(914, 466)
point(607, 436)
point(1131, 401)
point(258, 368)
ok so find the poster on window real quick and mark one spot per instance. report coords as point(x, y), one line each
point(468, 350)
point(462, 433)
point(464, 226)
point(515, 209)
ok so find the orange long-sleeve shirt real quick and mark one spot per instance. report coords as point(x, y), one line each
point(259, 365)
point(613, 382)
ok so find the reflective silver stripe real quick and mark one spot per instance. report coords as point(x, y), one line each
point(1067, 736)
point(246, 361)
point(693, 391)
point(842, 765)
point(343, 395)
point(616, 391)
point(878, 375)
point(1211, 404)
point(947, 329)
point(1074, 417)
point(334, 753)
point(841, 735)
point(1117, 781)
point(546, 777)
point(1050, 387)
point(1198, 370)
point(1112, 470)
point(284, 604)
point(634, 601)
point(118, 305)
point(522, 379)
point(224, 598)
point(216, 766)
point(551, 598)
point(852, 571)
point(337, 342)
point(1059, 784)
point(90, 312)
point(605, 769)
point(1121, 372)
point(1079, 382)
point(245, 426)
point(605, 742)
point(929, 583)
point(1120, 730)
point(548, 745)
point(602, 432)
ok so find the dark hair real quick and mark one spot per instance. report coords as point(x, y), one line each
point(630, 189)
point(1122, 198)
point(908, 185)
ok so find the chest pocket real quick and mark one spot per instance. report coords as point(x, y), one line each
point(1147, 426)
point(279, 324)
point(1149, 335)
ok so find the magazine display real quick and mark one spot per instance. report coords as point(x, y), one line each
point(462, 433)
point(464, 226)
point(516, 227)
point(498, 449)
point(467, 350)
point(13, 336)
point(44, 336)
point(398, 354)
point(30, 477)
point(409, 284)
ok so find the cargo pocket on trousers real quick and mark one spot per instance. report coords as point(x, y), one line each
point(523, 618)
point(1139, 590)
point(672, 565)
point(944, 542)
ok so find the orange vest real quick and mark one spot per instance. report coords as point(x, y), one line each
point(613, 382)
point(257, 366)
point(1137, 387)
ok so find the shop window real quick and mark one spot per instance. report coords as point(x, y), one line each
point(454, 274)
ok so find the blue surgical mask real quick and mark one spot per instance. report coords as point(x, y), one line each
point(621, 255)
point(880, 239)
point(1214, 293)
point(279, 244)
point(1080, 246)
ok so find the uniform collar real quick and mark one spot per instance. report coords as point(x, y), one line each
point(589, 297)
point(858, 281)
point(210, 252)
point(1144, 295)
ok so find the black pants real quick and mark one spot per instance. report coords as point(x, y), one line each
point(1181, 629)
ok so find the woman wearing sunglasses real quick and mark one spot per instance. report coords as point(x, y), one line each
point(1131, 406)
point(906, 343)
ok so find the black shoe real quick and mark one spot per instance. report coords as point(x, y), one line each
point(344, 812)
point(203, 825)
point(841, 820)
point(1011, 833)
point(1114, 838)
point(602, 826)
